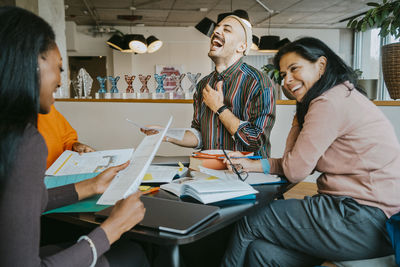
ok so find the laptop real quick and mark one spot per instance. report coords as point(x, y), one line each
point(172, 216)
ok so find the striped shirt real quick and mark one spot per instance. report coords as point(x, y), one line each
point(249, 95)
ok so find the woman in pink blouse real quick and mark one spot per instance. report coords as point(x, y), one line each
point(339, 132)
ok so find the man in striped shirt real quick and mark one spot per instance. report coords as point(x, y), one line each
point(234, 106)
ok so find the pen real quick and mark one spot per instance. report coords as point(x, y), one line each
point(151, 190)
point(245, 157)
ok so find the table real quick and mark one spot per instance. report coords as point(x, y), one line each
point(230, 212)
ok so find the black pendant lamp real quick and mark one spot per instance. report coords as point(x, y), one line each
point(256, 42)
point(116, 42)
point(137, 43)
point(206, 26)
point(153, 44)
point(268, 44)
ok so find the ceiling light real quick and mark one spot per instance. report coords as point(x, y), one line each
point(153, 44)
point(206, 26)
point(116, 41)
point(268, 44)
point(137, 43)
point(256, 41)
point(203, 9)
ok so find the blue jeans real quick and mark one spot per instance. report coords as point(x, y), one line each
point(306, 232)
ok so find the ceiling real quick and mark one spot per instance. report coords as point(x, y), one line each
point(287, 13)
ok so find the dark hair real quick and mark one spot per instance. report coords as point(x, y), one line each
point(336, 70)
point(23, 37)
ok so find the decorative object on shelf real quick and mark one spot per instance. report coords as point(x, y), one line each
point(129, 80)
point(114, 81)
point(87, 82)
point(384, 15)
point(168, 70)
point(144, 80)
point(178, 80)
point(160, 82)
point(102, 82)
point(77, 85)
point(193, 79)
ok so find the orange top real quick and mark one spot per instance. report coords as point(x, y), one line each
point(57, 133)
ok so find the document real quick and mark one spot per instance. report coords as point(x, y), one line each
point(128, 180)
point(70, 162)
point(211, 189)
point(254, 178)
point(163, 174)
point(176, 133)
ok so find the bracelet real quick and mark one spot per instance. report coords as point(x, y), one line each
point(92, 246)
point(166, 139)
point(221, 109)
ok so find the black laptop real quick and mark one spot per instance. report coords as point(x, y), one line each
point(172, 216)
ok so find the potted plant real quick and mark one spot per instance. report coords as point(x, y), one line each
point(385, 16)
point(274, 75)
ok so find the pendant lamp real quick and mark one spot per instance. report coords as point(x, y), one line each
point(137, 43)
point(206, 26)
point(256, 42)
point(153, 44)
point(116, 41)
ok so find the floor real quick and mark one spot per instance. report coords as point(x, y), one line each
point(301, 189)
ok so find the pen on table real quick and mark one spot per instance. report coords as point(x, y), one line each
point(244, 157)
point(151, 190)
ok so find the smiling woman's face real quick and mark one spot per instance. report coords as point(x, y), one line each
point(299, 74)
point(50, 66)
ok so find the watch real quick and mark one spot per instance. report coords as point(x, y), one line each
point(221, 109)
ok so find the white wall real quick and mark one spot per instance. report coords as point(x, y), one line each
point(184, 46)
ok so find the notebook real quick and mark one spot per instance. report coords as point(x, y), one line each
point(172, 216)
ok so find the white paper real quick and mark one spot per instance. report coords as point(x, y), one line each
point(161, 174)
point(254, 178)
point(70, 162)
point(128, 180)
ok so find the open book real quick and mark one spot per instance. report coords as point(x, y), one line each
point(210, 189)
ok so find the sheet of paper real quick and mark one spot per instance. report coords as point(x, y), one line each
point(176, 133)
point(128, 180)
point(71, 162)
point(160, 174)
point(254, 178)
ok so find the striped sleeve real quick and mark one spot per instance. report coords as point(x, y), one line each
point(254, 132)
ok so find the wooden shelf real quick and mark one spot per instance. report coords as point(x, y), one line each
point(120, 100)
point(190, 101)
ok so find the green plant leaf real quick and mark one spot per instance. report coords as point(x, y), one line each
point(372, 4)
point(371, 22)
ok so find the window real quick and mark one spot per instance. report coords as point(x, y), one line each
point(367, 48)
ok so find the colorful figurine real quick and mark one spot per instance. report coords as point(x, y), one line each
point(144, 80)
point(178, 79)
point(160, 82)
point(129, 80)
point(193, 78)
point(114, 81)
point(102, 82)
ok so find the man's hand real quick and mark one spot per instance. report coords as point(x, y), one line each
point(214, 99)
point(81, 148)
point(151, 129)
